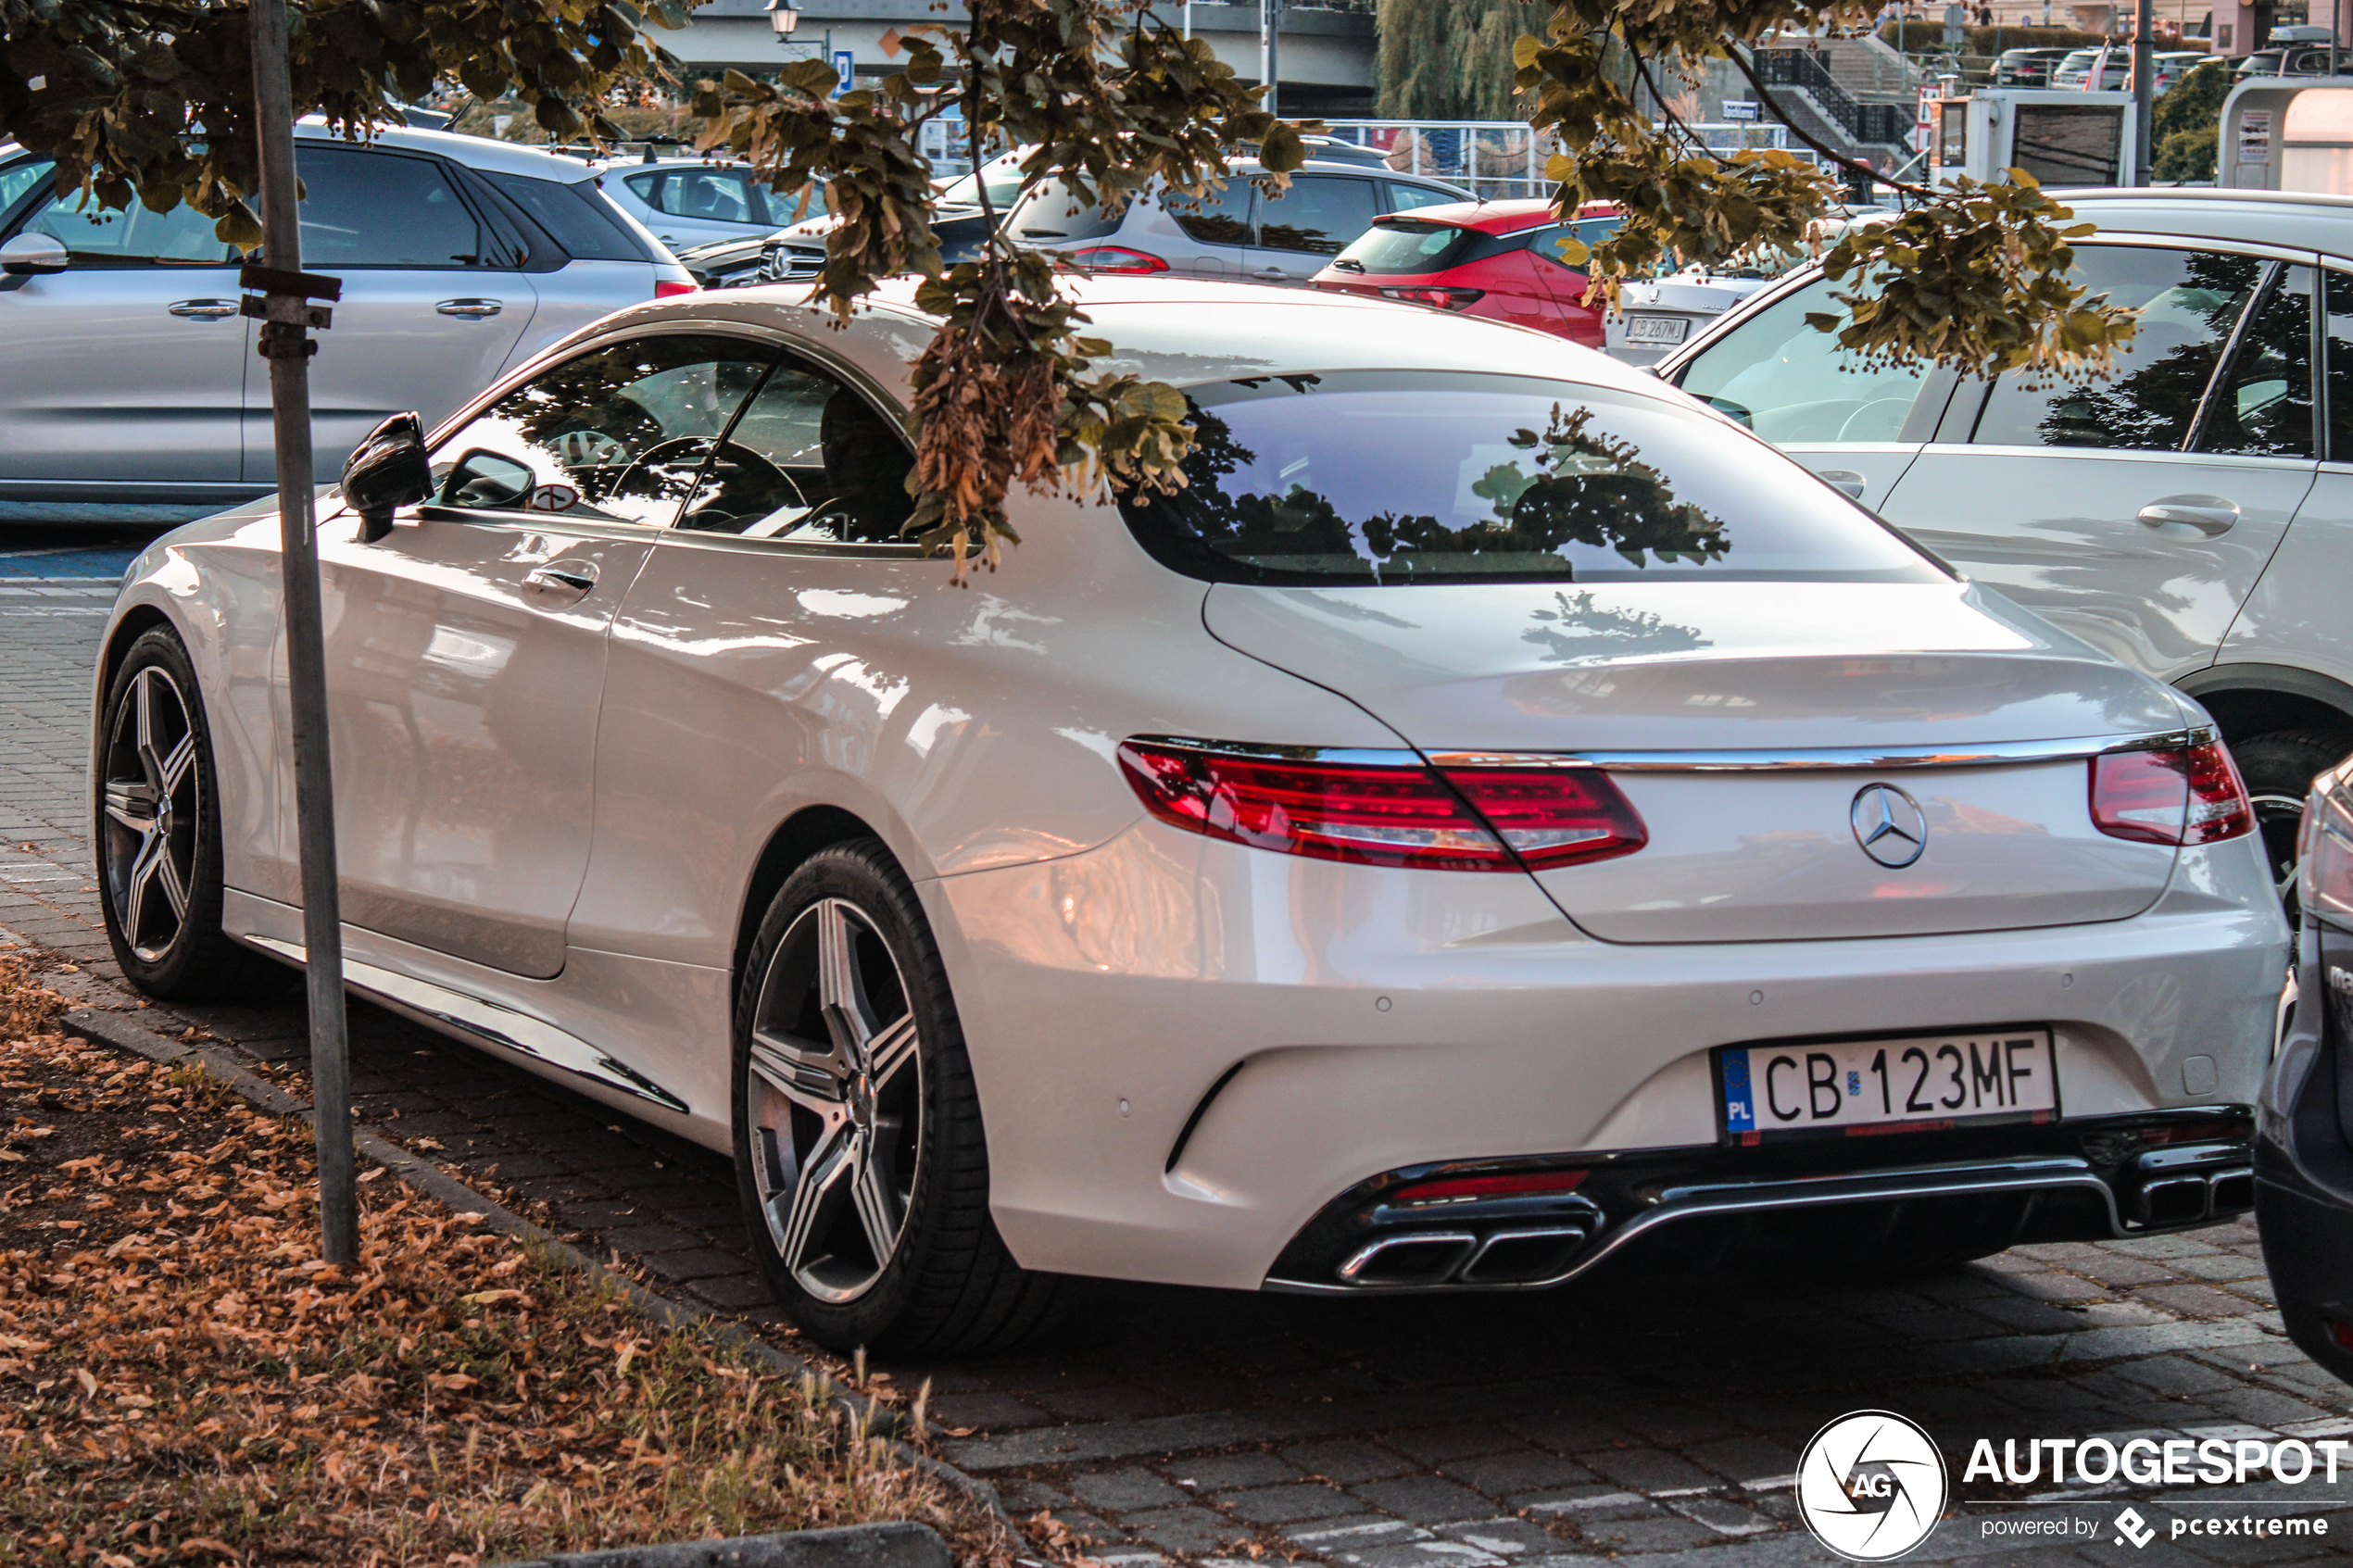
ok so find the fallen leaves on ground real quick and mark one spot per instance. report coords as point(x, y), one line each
point(183, 1380)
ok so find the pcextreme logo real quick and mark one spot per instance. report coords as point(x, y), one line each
point(1872, 1486)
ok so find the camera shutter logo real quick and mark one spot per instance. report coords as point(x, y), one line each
point(1872, 1486)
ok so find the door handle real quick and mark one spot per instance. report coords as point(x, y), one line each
point(1843, 480)
point(2211, 515)
point(203, 309)
point(472, 310)
point(573, 579)
point(1272, 275)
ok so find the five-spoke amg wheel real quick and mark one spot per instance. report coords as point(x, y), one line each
point(858, 1150)
point(158, 832)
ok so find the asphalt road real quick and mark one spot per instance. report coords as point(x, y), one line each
point(1656, 1422)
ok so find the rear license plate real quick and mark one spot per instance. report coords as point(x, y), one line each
point(1867, 1085)
point(1655, 329)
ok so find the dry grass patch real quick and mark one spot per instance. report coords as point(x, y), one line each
point(181, 1380)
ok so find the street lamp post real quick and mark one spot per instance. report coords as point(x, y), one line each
point(784, 16)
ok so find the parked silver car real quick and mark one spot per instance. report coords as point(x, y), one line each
point(127, 375)
point(1240, 234)
point(2189, 513)
point(692, 201)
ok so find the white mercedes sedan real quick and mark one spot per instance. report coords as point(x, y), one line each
point(1501, 817)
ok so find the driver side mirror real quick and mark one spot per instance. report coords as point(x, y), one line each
point(30, 254)
point(385, 473)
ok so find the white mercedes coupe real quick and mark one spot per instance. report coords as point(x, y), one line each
point(1500, 817)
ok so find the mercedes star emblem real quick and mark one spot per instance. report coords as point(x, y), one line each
point(1889, 825)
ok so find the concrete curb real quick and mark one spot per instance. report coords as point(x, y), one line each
point(901, 1545)
point(117, 1026)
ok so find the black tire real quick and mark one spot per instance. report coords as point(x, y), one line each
point(823, 1169)
point(160, 884)
point(2278, 768)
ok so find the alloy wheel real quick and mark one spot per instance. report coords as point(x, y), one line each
point(152, 810)
point(836, 1104)
point(2280, 819)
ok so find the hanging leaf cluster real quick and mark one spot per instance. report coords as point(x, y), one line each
point(1111, 100)
point(1973, 277)
point(152, 100)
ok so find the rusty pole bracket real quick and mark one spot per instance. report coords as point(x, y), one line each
point(281, 304)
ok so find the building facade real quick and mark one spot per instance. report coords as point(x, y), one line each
point(1326, 55)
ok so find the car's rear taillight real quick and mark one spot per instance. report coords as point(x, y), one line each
point(1433, 295)
point(1115, 261)
point(1407, 814)
point(665, 287)
point(2188, 796)
point(2324, 856)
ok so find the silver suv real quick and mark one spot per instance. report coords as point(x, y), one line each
point(127, 375)
point(1238, 236)
point(2191, 513)
point(691, 201)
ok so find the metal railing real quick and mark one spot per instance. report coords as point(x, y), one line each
point(1878, 124)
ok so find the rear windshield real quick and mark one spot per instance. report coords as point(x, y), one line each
point(1409, 244)
point(1395, 477)
point(1051, 212)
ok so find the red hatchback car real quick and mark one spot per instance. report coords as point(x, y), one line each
point(1498, 260)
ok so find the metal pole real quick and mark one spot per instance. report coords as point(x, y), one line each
point(288, 345)
point(2144, 91)
point(1270, 49)
point(1188, 19)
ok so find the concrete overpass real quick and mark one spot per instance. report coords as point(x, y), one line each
point(1326, 58)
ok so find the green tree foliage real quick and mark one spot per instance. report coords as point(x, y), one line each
point(151, 100)
point(1451, 59)
point(2186, 120)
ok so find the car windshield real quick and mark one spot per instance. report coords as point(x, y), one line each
point(1399, 477)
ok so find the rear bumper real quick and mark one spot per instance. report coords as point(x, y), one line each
point(1187, 1052)
point(1694, 1207)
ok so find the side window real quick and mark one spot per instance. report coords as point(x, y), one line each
point(381, 210)
point(2336, 306)
point(1791, 383)
point(810, 461)
point(578, 216)
point(2188, 303)
point(96, 236)
point(2262, 407)
point(1405, 198)
point(1319, 214)
point(1222, 218)
point(19, 179)
point(618, 434)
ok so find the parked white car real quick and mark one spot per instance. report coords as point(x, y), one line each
point(127, 375)
point(1499, 814)
point(2185, 514)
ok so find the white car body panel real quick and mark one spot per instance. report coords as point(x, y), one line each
point(1110, 969)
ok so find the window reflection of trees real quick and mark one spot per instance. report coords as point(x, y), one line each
point(592, 417)
point(1576, 486)
point(2150, 410)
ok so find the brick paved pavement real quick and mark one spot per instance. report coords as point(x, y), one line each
point(1656, 1423)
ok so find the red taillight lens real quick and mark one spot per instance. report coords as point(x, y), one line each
point(665, 287)
point(1377, 815)
point(2341, 1332)
point(1527, 1185)
point(1116, 261)
point(1553, 816)
point(2192, 796)
point(1443, 298)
